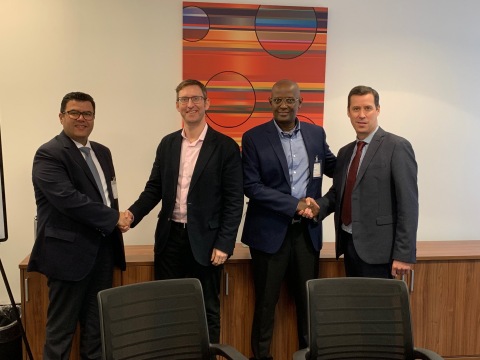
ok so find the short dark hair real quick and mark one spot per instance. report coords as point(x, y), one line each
point(78, 96)
point(192, 82)
point(364, 90)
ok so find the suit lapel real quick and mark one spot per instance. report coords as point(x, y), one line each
point(77, 156)
point(308, 141)
point(274, 138)
point(103, 160)
point(176, 149)
point(371, 151)
point(206, 152)
point(107, 171)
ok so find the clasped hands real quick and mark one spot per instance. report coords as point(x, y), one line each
point(308, 208)
point(125, 219)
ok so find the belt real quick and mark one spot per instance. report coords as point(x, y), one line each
point(179, 225)
point(297, 219)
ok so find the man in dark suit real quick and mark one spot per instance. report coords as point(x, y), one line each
point(77, 241)
point(197, 174)
point(376, 224)
point(284, 161)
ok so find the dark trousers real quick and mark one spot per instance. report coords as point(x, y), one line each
point(76, 301)
point(176, 261)
point(297, 261)
point(355, 266)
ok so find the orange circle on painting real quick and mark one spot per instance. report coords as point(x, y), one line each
point(285, 33)
point(232, 99)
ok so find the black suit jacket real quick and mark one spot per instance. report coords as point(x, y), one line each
point(72, 220)
point(214, 200)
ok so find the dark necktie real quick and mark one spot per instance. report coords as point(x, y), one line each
point(93, 169)
point(352, 176)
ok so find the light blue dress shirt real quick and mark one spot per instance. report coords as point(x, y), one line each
point(297, 159)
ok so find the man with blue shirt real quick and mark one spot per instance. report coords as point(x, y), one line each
point(283, 165)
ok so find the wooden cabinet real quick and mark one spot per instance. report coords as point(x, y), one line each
point(34, 304)
point(34, 313)
point(445, 300)
point(445, 306)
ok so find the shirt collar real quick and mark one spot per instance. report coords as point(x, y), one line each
point(200, 138)
point(79, 145)
point(295, 130)
point(369, 138)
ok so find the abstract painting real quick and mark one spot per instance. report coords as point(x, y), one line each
point(239, 51)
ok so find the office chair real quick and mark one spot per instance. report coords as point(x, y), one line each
point(162, 319)
point(360, 318)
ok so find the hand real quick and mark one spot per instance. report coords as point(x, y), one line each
point(125, 219)
point(400, 268)
point(308, 208)
point(218, 257)
point(302, 205)
point(312, 209)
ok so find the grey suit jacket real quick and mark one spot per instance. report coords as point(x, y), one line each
point(384, 200)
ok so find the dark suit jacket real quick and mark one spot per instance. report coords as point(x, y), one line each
point(267, 184)
point(214, 200)
point(384, 200)
point(72, 220)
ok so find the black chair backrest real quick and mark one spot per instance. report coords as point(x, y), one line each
point(359, 318)
point(154, 320)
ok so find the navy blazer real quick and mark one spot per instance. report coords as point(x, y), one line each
point(384, 200)
point(214, 200)
point(271, 206)
point(72, 219)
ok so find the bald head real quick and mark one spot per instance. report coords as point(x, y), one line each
point(285, 101)
point(287, 84)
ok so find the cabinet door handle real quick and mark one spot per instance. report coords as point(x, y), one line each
point(412, 279)
point(26, 289)
point(226, 283)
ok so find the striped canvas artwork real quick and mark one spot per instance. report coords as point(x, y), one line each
point(240, 51)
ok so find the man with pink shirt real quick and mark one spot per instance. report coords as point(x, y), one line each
point(197, 174)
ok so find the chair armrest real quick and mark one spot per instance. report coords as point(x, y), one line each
point(420, 353)
point(226, 351)
point(303, 354)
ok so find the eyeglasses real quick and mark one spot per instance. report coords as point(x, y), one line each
point(288, 100)
point(75, 115)
point(186, 99)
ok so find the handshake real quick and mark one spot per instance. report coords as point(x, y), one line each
point(308, 208)
point(125, 219)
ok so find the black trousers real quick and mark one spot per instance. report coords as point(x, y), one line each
point(73, 302)
point(176, 261)
point(355, 266)
point(297, 261)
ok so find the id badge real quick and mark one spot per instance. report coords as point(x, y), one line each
point(317, 168)
point(114, 189)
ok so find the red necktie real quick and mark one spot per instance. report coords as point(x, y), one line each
point(352, 176)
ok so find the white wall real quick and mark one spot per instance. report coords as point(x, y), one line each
point(421, 55)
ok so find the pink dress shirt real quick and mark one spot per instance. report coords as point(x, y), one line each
point(188, 159)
